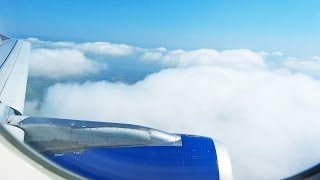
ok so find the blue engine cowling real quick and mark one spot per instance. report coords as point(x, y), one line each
point(101, 150)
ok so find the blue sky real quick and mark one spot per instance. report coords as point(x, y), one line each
point(289, 26)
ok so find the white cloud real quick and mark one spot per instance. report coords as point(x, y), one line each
point(61, 63)
point(151, 56)
point(238, 58)
point(34, 40)
point(32, 107)
point(241, 58)
point(275, 54)
point(309, 66)
point(105, 48)
point(98, 48)
point(268, 120)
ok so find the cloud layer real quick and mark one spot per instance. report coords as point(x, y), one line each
point(101, 48)
point(263, 106)
point(268, 120)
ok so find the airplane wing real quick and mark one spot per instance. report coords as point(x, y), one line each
point(99, 150)
point(14, 55)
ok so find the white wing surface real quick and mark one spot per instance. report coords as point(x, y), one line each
point(14, 62)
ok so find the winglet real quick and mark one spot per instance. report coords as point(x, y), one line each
point(3, 37)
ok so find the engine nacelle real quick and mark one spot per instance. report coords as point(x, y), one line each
point(101, 150)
